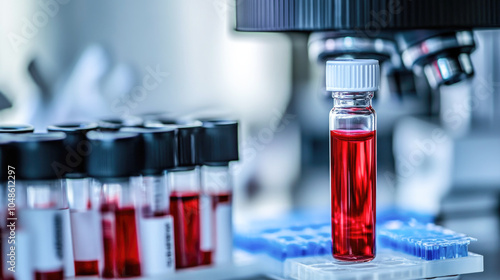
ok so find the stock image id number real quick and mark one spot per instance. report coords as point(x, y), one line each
point(11, 172)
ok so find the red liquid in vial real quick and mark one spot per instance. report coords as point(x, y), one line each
point(185, 210)
point(86, 268)
point(120, 242)
point(220, 198)
point(206, 258)
point(53, 275)
point(353, 186)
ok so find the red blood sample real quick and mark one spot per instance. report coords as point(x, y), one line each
point(120, 242)
point(185, 210)
point(353, 190)
point(220, 198)
point(85, 268)
point(53, 275)
point(206, 258)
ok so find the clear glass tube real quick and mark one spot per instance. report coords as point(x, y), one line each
point(156, 226)
point(217, 184)
point(155, 194)
point(44, 216)
point(185, 209)
point(353, 176)
point(83, 199)
point(121, 254)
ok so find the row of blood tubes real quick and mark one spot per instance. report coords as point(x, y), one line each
point(116, 200)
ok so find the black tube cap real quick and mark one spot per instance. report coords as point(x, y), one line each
point(114, 154)
point(5, 156)
point(188, 140)
point(160, 147)
point(76, 145)
point(219, 142)
point(16, 128)
point(39, 156)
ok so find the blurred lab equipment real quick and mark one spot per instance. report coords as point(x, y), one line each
point(436, 105)
point(422, 55)
point(299, 246)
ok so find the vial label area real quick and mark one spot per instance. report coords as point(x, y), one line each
point(22, 256)
point(185, 209)
point(86, 242)
point(157, 243)
point(68, 256)
point(206, 221)
point(4, 253)
point(120, 242)
point(223, 252)
point(353, 183)
point(45, 231)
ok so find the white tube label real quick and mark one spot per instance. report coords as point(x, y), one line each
point(68, 260)
point(23, 269)
point(157, 242)
point(85, 227)
point(223, 253)
point(206, 223)
point(45, 230)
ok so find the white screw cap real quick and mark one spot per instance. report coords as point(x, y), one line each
point(352, 75)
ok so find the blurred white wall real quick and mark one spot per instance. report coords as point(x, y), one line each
point(211, 68)
point(209, 64)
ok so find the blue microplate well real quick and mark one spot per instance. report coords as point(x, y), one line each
point(302, 234)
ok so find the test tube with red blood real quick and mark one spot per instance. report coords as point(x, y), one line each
point(115, 158)
point(219, 147)
point(192, 232)
point(155, 222)
point(41, 205)
point(82, 198)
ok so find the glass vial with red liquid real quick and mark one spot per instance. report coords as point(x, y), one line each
point(41, 207)
point(83, 199)
point(219, 147)
point(191, 248)
point(353, 158)
point(156, 224)
point(115, 158)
